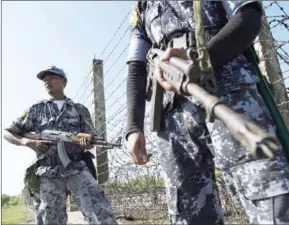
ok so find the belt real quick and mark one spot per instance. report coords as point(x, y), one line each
point(54, 160)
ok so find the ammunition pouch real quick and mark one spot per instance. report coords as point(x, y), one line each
point(32, 181)
point(54, 160)
point(87, 158)
point(76, 157)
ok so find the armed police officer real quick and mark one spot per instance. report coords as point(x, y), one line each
point(260, 186)
point(56, 182)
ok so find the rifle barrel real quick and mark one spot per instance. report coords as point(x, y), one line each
point(246, 132)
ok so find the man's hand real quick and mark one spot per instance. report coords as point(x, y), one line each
point(137, 149)
point(174, 52)
point(158, 73)
point(39, 146)
point(85, 140)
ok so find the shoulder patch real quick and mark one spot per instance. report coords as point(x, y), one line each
point(134, 16)
point(24, 114)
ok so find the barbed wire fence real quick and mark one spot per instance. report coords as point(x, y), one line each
point(137, 191)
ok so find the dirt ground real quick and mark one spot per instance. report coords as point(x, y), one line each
point(77, 218)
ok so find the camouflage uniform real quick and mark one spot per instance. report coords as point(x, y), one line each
point(261, 187)
point(56, 182)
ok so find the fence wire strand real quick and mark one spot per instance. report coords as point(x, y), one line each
point(138, 191)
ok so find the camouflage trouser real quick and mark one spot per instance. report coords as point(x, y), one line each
point(50, 204)
point(260, 187)
point(188, 172)
point(36, 203)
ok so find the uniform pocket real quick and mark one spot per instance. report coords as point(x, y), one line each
point(265, 183)
point(72, 124)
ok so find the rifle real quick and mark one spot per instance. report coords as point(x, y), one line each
point(181, 74)
point(61, 137)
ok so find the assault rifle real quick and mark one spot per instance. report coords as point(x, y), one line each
point(61, 137)
point(182, 75)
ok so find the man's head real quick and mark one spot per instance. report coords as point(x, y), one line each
point(54, 79)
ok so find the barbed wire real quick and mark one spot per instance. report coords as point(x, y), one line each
point(105, 48)
point(141, 187)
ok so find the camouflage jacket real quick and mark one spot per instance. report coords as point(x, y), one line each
point(46, 115)
point(154, 22)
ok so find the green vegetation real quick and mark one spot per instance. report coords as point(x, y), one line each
point(139, 184)
point(12, 209)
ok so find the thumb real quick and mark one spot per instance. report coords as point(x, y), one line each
point(158, 74)
point(170, 52)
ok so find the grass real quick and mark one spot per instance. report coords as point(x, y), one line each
point(13, 211)
point(13, 214)
point(146, 222)
point(141, 183)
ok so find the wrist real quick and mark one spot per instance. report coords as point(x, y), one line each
point(136, 131)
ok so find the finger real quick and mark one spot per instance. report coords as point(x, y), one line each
point(167, 54)
point(143, 152)
point(87, 141)
point(41, 149)
point(140, 160)
point(133, 158)
point(162, 81)
point(266, 151)
point(82, 142)
point(172, 52)
point(139, 157)
point(158, 74)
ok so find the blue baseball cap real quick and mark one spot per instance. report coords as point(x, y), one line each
point(53, 70)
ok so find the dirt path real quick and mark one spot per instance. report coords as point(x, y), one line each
point(73, 217)
point(76, 218)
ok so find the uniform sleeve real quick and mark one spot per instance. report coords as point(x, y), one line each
point(86, 121)
point(231, 7)
point(139, 42)
point(24, 123)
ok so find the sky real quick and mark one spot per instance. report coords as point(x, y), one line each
point(39, 34)
point(68, 34)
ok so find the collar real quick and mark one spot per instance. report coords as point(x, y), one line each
point(67, 100)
